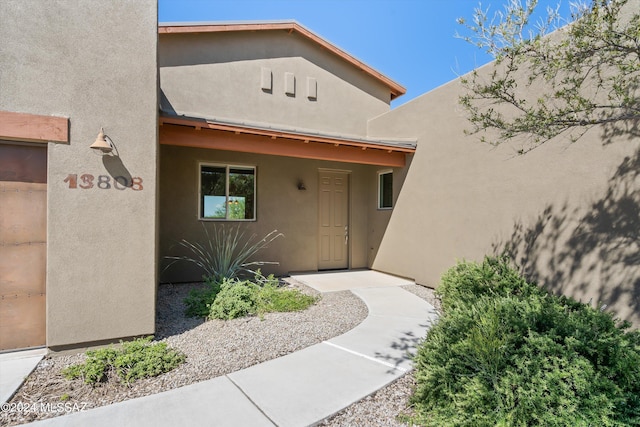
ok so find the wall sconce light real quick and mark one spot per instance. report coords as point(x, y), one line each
point(301, 185)
point(103, 144)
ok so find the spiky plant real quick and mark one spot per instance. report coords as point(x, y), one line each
point(225, 253)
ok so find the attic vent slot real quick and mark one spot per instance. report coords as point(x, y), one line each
point(289, 84)
point(312, 88)
point(266, 80)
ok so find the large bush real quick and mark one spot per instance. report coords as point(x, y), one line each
point(507, 353)
point(462, 284)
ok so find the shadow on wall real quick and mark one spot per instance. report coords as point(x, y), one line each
point(592, 254)
point(165, 105)
point(621, 130)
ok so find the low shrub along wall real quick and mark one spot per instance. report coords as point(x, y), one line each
point(508, 353)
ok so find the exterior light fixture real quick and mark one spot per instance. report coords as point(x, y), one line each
point(103, 144)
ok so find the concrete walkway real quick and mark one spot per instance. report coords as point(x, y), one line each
point(299, 389)
point(15, 367)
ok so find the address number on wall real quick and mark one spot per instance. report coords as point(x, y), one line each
point(103, 182)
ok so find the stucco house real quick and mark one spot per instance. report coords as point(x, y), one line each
point(265, 126)
point(274, 118)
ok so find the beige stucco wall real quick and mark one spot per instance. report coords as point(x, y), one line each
point(218, 75)
point(569, 213)
point(279, 206)
point(379, 218)
point(94, 62)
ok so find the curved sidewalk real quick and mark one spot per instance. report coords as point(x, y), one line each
point(299, 389)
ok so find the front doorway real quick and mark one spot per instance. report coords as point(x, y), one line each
point(333, 220)
point(23, 246)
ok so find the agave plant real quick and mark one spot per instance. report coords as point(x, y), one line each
point(225, 253)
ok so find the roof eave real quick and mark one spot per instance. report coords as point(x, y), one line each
point(201, 123)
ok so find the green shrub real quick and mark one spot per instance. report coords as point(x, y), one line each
point(238, 298)
point(198, 302)
point(510, 354)
point(466, 281)
point(274, 299)
point(134, 360)
point(94, 369)
point(141, 359)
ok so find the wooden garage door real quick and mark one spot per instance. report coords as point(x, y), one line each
point(23, 229)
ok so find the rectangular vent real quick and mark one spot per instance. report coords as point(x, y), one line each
point(312, 88)
point(289, 84)
point(266, 79)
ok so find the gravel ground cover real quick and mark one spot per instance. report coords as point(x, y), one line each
point(215, 348)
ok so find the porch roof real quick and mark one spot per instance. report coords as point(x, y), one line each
point(266, 139)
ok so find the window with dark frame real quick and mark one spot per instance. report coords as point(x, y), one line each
point(385, 190)
point(227, 192)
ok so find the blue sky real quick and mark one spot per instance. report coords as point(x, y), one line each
point(411, 41)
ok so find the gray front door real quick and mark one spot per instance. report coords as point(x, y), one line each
point(333, 220)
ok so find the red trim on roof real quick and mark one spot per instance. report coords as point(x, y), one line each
point(276, 133)
point(214, 139)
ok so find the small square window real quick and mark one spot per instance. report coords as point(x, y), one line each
point(227, 192)
point(385, 190)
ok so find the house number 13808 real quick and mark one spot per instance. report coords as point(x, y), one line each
point(104, 182)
